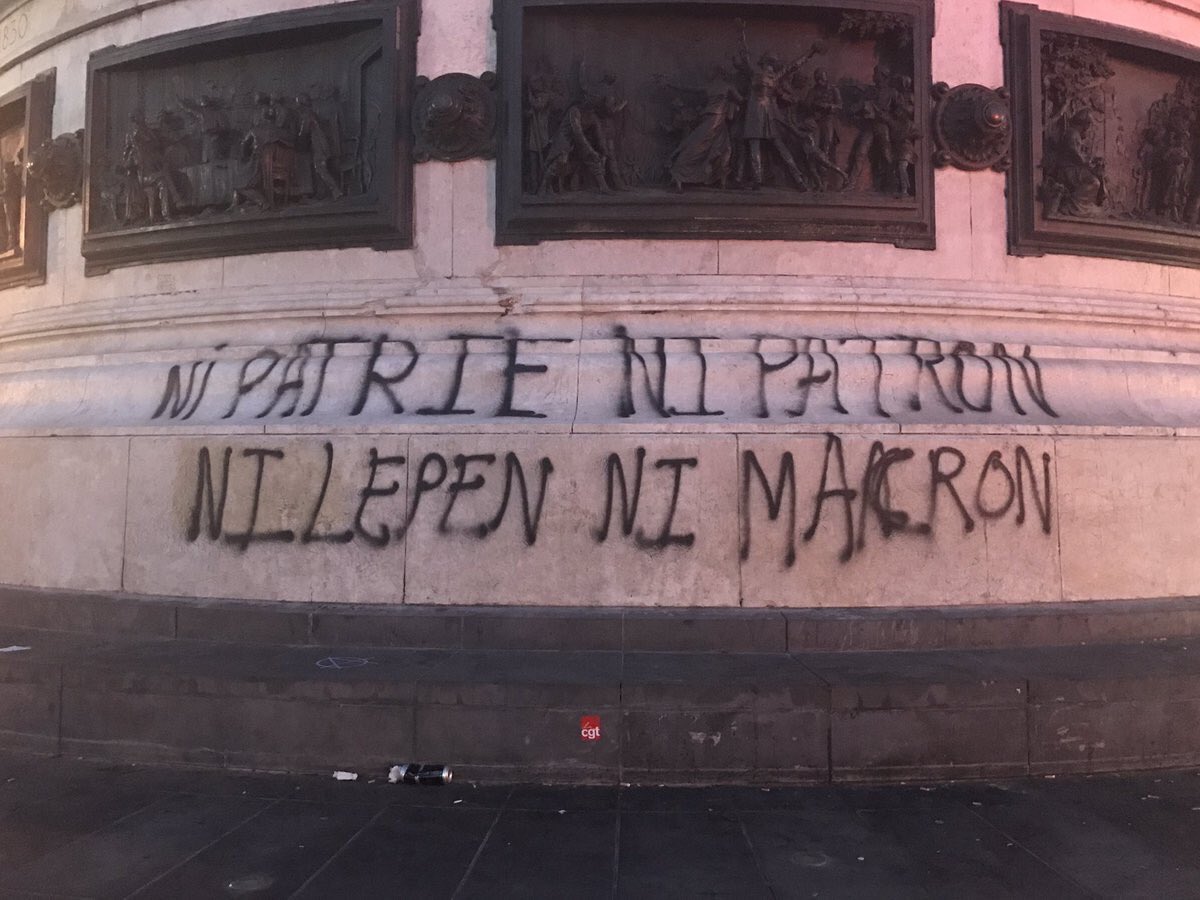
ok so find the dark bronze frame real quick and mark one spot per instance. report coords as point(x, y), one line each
point(29, 266)
point(385, 223)
point(519, 221)
point(1029, 232)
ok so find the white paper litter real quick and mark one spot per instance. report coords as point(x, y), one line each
point(395, 773)
point(346, 776)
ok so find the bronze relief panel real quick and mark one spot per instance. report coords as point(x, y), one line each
point(1106, 159)
point(272, 133)
point(25, 121)
point(677, 118)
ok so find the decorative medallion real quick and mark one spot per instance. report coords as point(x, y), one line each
point(972, 126)
point(56, 169)
point(454, 117)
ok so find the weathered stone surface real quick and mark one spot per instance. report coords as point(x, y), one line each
point(953, 508)
point(1130, 526)
point(678, 550)
point(64, 512)
point(1115, 344)
point(288, 556)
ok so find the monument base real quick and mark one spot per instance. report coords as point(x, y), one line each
point(605, 696)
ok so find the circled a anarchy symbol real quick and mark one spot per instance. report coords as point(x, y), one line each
point(342, 662)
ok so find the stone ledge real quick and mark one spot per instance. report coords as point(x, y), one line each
point(664, 629)
point(679, 717)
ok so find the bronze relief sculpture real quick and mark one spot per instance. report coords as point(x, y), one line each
point(25, 117)
point(1107, 130)
point(272, 133)
point(254, 152)
point(784, 120)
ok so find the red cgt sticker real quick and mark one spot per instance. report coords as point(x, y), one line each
point(589, 728)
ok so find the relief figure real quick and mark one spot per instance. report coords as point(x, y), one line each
point(152, 187)
point(824, 104)
point(230, 154)
point(812, 131)
point(705, 155)
point(763, 121)
point(874, 145)
point(12, 197)
point(586, 140)
point(1074, 177)
point(268, 156)
point(539, 98)
point(314, 138)
point(766, 120)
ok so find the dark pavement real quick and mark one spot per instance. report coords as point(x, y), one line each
point(74, 829)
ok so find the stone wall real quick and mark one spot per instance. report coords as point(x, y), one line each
point(699, 422)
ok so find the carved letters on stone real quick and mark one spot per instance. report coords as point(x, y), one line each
point(1107, 125)
point(792, 119)
point(25, 115)
point(272, 133)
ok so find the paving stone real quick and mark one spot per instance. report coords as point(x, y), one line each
point(86, 829)
point(546, 854)
point(952, 852)
point(36, 819)
point(822, 849)
point(686, 854)
point(717, 798)
point(272, 854)
point(119, 859)
point(1108, 854)
point(412, 852)
point(555, 797)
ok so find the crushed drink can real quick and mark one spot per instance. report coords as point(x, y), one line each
point(420, 773)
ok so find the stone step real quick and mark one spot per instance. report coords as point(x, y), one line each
point(677, 717)
point(666, 629)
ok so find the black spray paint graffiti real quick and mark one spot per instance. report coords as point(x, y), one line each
point(658, 376)
point(631, 498)
point(849, 507)
point(210, 499)
point(932, 373)
point(294, 383)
